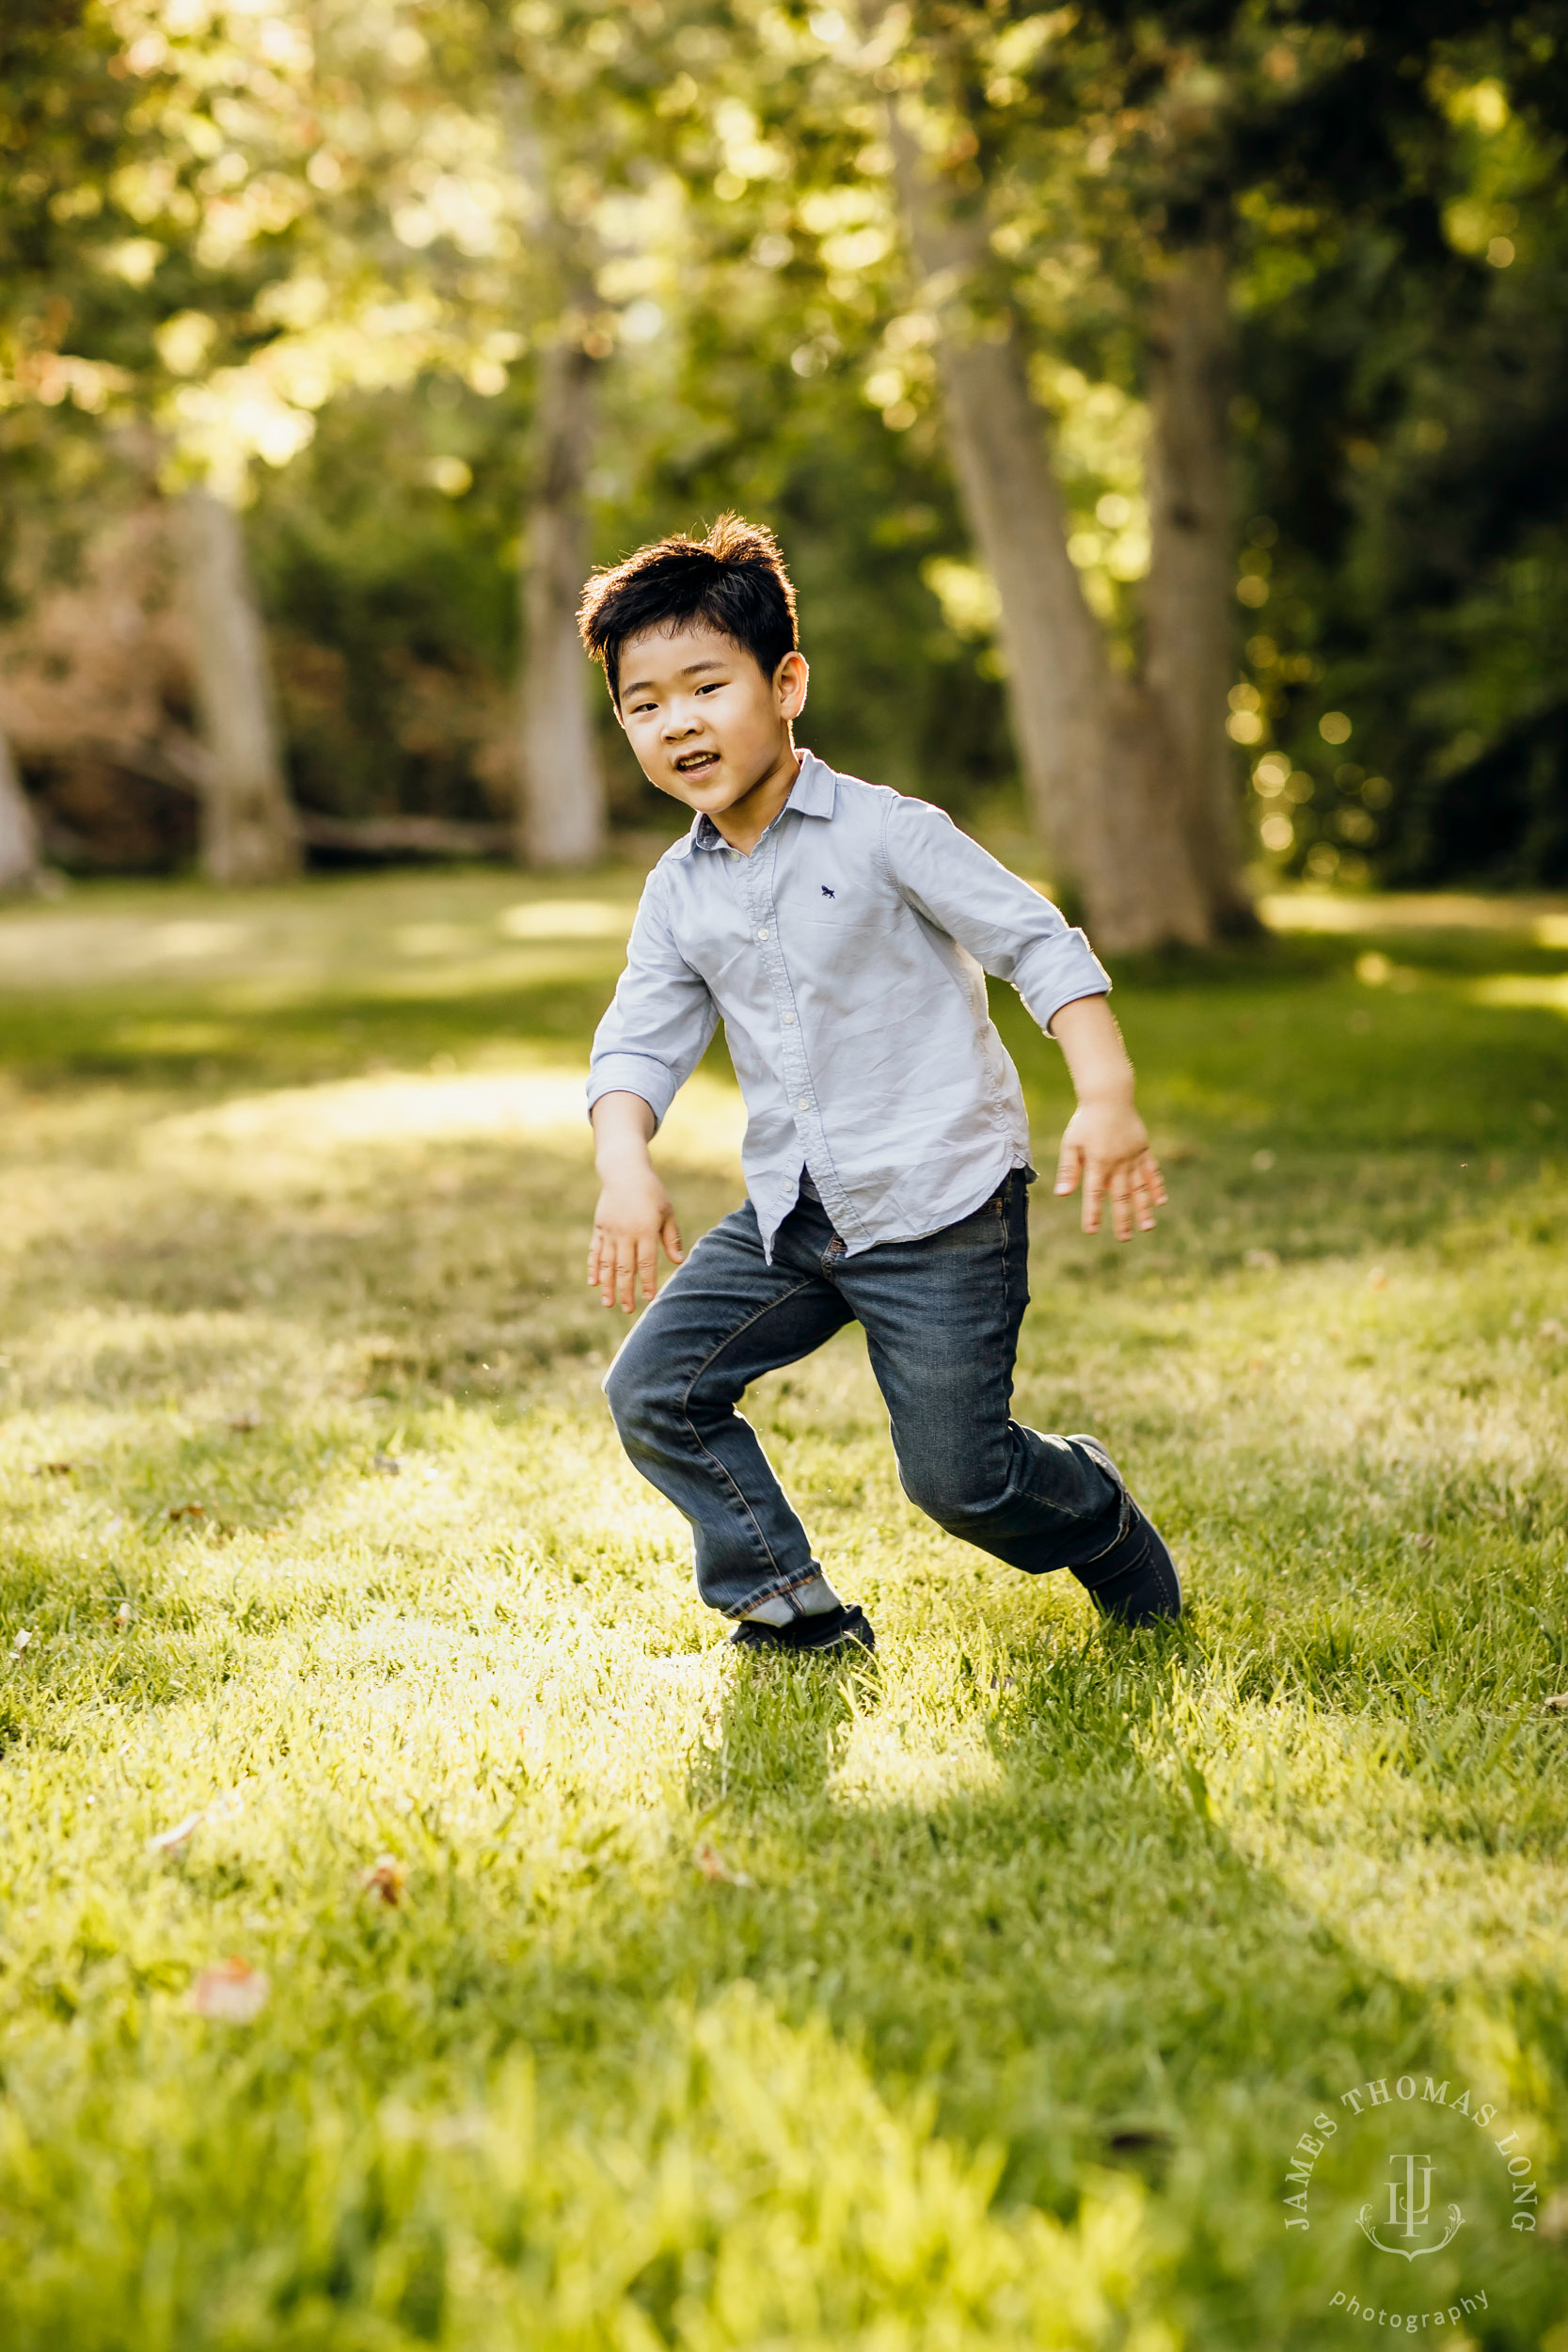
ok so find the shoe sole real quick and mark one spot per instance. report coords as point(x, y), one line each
point(843, 1637)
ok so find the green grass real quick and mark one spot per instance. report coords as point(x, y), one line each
point(980, 1999)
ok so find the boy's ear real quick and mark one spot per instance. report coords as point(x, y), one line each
point(790, 681)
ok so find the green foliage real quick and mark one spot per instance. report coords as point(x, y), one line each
point(972, 1999)
point(1403, 429)
point(393, 603)
point(267, 247)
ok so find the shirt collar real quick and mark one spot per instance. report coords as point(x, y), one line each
point(813, 795)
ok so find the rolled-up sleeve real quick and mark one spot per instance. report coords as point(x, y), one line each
point(1011, 930)
point(660, 1019)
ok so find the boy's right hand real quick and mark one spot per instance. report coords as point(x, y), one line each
point(633, 1218)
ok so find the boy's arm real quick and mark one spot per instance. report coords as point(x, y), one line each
point(653, 1035)
point(634, 1214)
point(660, 1018)
point(1011, 930)
point(1018, 935)
point(1105, 1144)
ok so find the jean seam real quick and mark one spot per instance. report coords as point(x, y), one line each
point(998, 1203)
point(1028, 1486)
point(727, 1477)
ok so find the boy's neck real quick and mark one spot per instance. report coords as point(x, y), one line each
point(745, 821)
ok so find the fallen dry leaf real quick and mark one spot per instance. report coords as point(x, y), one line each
point(124, 1613)
point(234, 1991)
point(222, 1808)
point(188, 1511)
point(23, 1640)
point(53, 1470)
point(386, 1879)
point(1557, 1706)
point(714, 1867)
point(170, 1840)
point(1422, 1543)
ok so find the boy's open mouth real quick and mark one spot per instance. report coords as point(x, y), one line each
point(692, 763)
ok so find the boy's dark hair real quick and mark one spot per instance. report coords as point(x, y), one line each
point(733, 580)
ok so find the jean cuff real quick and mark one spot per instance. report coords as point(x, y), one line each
point(777, 1591)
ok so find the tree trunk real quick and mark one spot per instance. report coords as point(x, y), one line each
point(1096, 764)
point(249, 833)
point(560, 809)
point(19, 833)
point(1188, 601)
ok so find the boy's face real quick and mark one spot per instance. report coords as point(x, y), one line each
point(705, 723)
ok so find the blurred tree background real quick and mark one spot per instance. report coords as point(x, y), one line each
point(1162, 410)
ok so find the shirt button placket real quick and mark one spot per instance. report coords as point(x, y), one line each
point(765, 921)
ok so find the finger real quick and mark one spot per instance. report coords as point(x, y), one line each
point(607, 1270)
point(1121, 1203)
point(1094, 1192)
point(1069, 1167)
point(626, 1272)
point(1143, 1202)
point(670, 1235)
point(1150, 1190)
point(647, 1265)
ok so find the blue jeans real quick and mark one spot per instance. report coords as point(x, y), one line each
point(940, 1317)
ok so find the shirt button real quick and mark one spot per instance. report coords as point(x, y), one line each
point(762, 934)
point(805, 1102)
point(789, 1020)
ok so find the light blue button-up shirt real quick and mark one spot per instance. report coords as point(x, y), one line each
point(846, 957)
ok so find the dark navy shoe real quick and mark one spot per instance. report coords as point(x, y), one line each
point(1136, 1581)
point(830, 1628)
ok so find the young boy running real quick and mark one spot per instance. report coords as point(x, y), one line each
point(841, 933)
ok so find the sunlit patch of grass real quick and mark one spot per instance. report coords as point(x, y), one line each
point(1524, 987)
point(971, 1996)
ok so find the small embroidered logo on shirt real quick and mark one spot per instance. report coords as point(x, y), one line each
point(825, 891)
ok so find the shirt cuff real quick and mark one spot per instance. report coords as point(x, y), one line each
point(1061, 970)
point(633, 1073)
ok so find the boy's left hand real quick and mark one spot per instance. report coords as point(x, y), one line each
point(1105, 1146)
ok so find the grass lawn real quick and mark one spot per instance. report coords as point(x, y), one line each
point(591, 1988)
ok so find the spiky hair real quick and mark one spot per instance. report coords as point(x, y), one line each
point(735, 579)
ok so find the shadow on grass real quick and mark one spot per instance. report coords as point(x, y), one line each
point(1071, 1958)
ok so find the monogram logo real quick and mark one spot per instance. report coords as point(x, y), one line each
point(1348, 2149)
point(1410, 2210)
